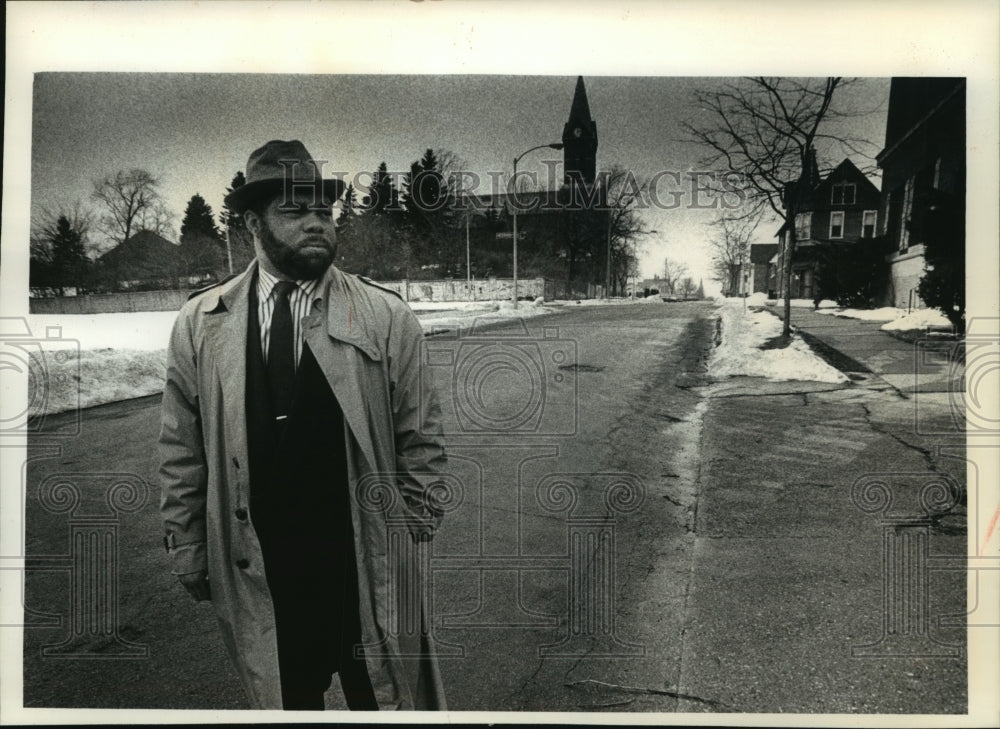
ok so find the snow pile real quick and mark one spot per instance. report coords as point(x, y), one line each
point(886, 313)
point(468, 317)
point(757, 299)
point(67, 379)
point(919, 319)
point(803, 303)
point(602, 302)
point(419, 307)
point(739, 352)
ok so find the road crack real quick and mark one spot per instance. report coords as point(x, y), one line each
point(673, 693)
point(925, 453)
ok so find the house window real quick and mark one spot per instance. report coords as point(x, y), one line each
point(906, 214)
point(837, 224)
point(803, 226)
point(843, 193)
point(868, 224)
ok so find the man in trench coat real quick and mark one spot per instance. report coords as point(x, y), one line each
point(279, 485)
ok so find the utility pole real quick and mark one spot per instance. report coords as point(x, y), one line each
point(468, 269)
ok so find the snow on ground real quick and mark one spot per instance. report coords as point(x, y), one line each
point(918, 319)
point(481, 312)
point(86, 378)
point(803, 303)
point(739, 353)
point(146, 330)
point(886, 313)
point(897, 319)
point(94, 359)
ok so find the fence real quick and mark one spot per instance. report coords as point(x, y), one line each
point(109, 303)
point(491, 289)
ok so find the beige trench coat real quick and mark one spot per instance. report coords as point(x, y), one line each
point(367, 342)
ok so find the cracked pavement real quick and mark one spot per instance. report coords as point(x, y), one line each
point(741, 583)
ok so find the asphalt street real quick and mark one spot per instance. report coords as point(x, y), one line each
point(625, 536)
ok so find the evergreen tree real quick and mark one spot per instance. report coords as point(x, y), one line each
point(348, 207)
point(67, 263)
point(429, 217)
point(240, 239)
point(198, 218)
point(426, 191)
point(383, 197)
point(203, 249)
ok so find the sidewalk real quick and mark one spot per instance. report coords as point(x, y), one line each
point(930, 365)
point(801, 600)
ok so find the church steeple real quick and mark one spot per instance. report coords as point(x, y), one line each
point(580, 140)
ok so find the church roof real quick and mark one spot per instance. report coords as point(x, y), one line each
point(580, 110)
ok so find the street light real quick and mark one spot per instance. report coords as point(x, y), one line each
point(635, 278)
point(517, 159)
point(607, 260)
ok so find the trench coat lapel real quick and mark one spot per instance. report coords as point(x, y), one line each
point(226, 332)
point(340, 364)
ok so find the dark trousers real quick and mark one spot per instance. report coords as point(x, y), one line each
point(307, 661)
point(313, 582)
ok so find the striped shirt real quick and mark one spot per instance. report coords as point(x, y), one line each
point(299, 300)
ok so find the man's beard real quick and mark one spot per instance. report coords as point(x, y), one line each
point(291, 262)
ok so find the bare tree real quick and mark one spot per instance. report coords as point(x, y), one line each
point(672, 274)
point(45, 224)
point(763, 132)
point(132, 203)
point(730, 246)
point(687, 287)
point(159, 219)
point(622, 193)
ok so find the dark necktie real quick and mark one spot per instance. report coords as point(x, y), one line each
point(281, 352)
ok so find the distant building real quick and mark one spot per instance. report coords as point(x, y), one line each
point(145, 260)
point(755, 272)
point(557, 229)
point(842, 208)
point(922, 163)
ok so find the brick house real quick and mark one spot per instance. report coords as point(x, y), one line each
point(923, 163)
point(841, 208)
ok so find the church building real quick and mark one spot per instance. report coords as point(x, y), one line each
point(562, 236)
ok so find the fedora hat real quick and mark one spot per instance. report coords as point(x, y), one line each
point(275, 165)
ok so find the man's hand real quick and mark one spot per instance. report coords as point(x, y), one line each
point(196, 583)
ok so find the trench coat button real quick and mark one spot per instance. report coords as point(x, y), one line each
point(241, 514)
point(243, 563)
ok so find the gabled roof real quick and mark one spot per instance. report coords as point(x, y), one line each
point(819, 197)
point(847, 171)
point(144, 254)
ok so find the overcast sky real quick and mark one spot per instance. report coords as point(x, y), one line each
point(195, 131)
